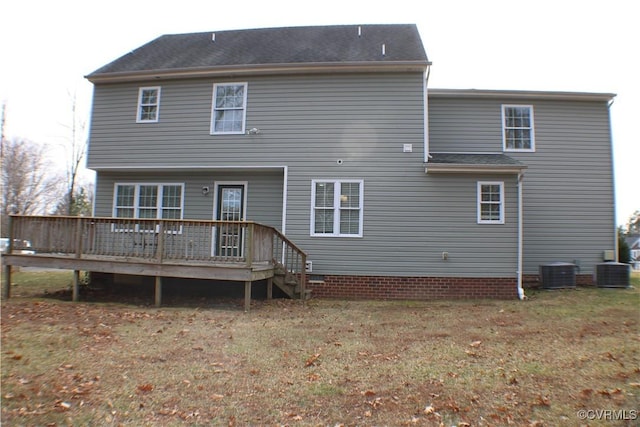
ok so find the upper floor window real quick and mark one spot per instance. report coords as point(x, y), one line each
point(336, 209)
point(155, 201)
point(148, 104)
point(490, 202)
point(229, 108)
point(517, 128)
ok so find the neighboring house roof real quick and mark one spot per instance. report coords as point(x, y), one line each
point(276, 49)
point(473, 162)
point(633, 242)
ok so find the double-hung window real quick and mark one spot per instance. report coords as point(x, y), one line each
point(155, 201)
point(148, 104)
point(517, 128)
point(229, 108)
point(337, 208)
point(490, 202)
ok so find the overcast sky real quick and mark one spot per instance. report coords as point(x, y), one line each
point(47, 47)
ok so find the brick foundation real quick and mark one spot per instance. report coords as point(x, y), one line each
point(414, 288)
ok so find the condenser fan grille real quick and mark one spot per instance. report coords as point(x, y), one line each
point(559, 275)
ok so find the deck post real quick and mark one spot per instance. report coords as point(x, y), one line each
point(270, 288)
point(75, 293)
point(158, 291)
point(303, 279)
point(247, 295)
point(78, 243)
point(160, 244)
point(6, 283)
point(250, 245)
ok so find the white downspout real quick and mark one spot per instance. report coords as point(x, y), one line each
point(521, 294)
point(285, 191)
point(616, 247)
point(425, 92)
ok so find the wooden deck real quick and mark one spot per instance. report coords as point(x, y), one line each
point(218, 250)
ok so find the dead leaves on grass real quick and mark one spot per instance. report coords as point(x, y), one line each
point(423, 393)
point(145, 388)
point(475, 345)
point(312, 360)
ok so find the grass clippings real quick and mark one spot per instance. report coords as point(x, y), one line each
point(478, 363)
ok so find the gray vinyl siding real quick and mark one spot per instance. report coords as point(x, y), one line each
point(308, 123)
point(465, 125)
point(264, 192)
point(410, 218)
point(300, 118)
point(568, 186)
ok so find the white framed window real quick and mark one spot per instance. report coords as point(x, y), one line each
point(148, 200)
point(517, 128)
point(337, 208)
point(490, 202)
point(148, 104)
point(229, 108)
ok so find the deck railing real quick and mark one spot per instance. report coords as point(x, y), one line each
point(157, 240)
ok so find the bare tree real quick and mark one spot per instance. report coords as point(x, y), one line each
point(3, 120)
point(27, 186)
point(633, 224)
point(76, 151)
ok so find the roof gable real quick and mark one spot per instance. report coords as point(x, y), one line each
point(268, 47)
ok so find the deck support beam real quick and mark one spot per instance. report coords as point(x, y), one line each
point(6, 284)
point(75, 292)
point(247, 296)
point(158, 291)
point(270, 288)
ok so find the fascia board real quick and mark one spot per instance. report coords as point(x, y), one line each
point(308, 68)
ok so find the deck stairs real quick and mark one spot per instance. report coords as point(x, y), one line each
point(289, 283)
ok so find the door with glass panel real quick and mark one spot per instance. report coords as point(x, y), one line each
point(230, 208)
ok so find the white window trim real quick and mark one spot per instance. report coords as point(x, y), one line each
point(140, 105)
point(336, 208)
point(136, 199)
point(504, 133)
point(212, 130)
point(480, 203)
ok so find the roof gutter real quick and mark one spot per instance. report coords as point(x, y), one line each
point(260, 69)
point(521, 94)
point(466, 168)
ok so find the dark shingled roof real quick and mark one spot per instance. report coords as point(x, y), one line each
point(269, 46)
point(474, 159)
point(472, 163)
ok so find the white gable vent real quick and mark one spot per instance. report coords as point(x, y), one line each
point(558, 275)
point(613, 275)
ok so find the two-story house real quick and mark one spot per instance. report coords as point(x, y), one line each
point(331, 135)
